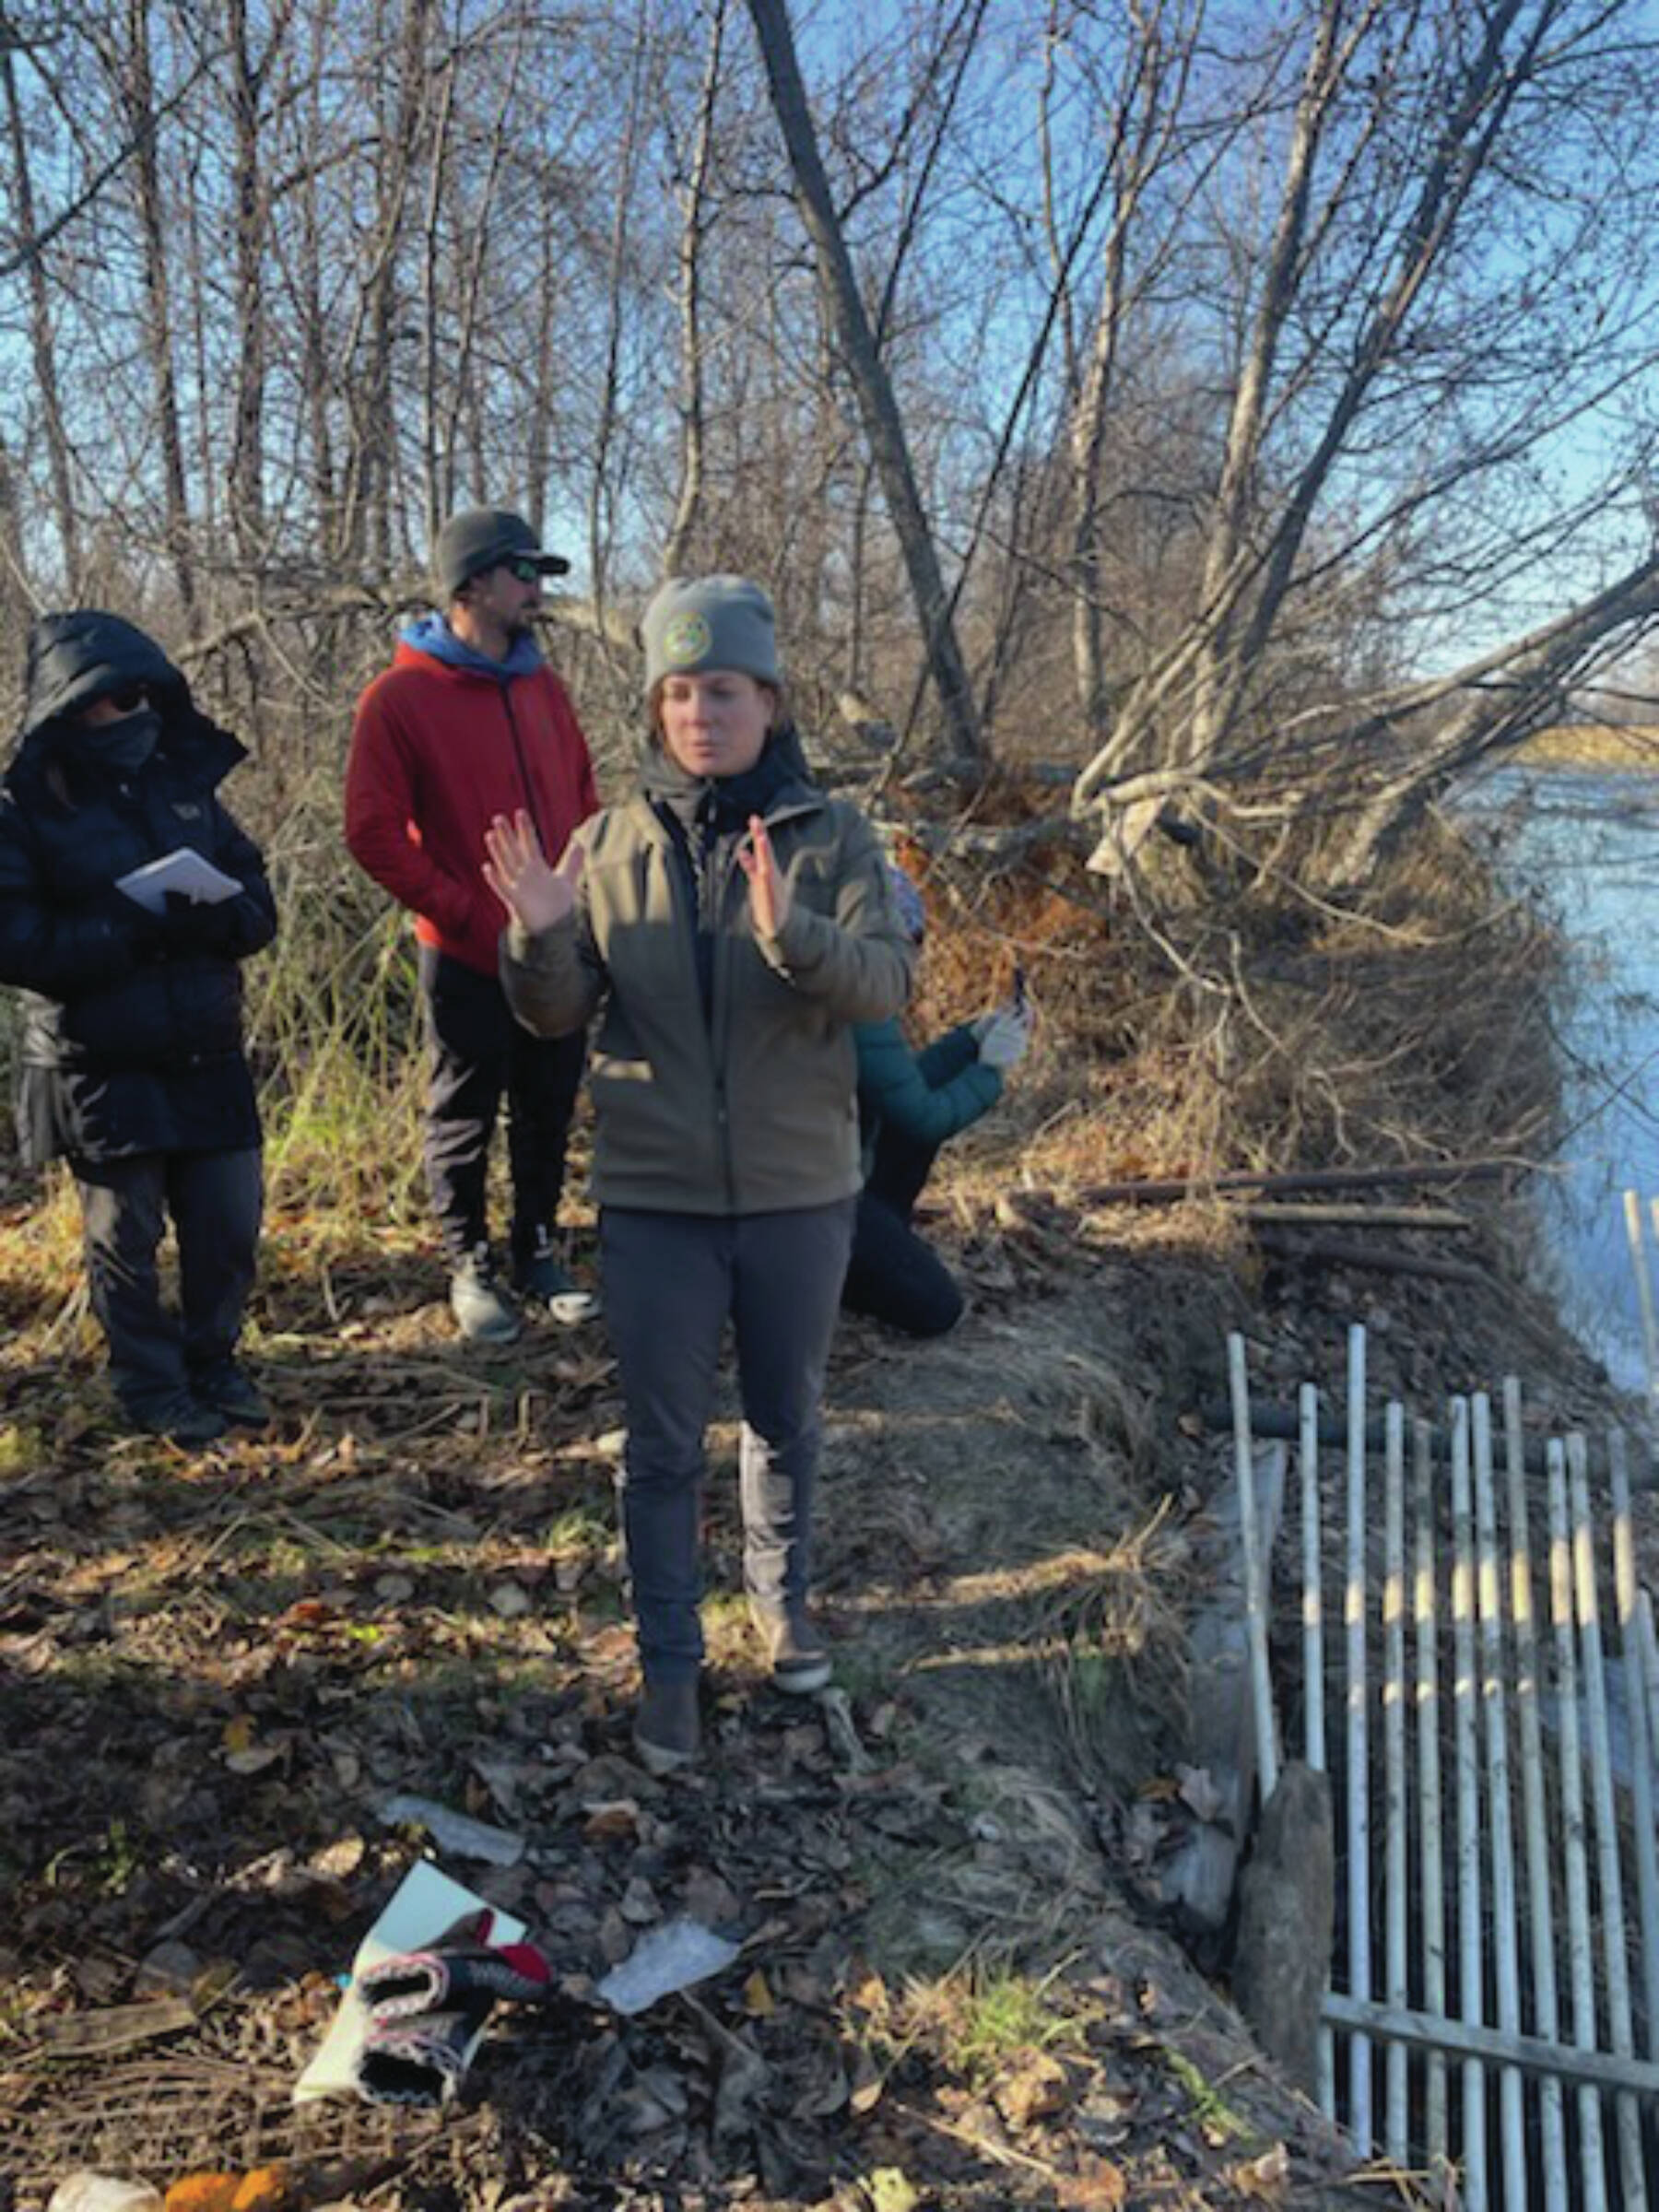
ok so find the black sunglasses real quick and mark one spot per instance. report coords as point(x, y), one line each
point(526, 571)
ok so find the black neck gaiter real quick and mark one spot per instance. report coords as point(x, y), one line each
point(119, 747)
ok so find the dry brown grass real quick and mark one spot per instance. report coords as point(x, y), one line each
point(1254, 1028)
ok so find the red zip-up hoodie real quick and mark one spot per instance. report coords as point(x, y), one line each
point(436, 752)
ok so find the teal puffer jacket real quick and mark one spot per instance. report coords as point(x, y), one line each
point(928, 1096)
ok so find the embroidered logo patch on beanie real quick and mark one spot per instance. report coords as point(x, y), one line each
point(687, 638)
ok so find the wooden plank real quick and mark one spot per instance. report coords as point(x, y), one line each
point(1303, 1214)
point(115, 2028)
point(1169, 1190)
point(1380, 1259)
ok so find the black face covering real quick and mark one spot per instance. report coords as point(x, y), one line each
point(120, 746)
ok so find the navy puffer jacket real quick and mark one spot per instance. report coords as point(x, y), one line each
point(131, 1034)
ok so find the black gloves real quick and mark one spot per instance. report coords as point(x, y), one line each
point(186, 927)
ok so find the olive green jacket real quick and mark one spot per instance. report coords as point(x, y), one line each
point(748, 1107)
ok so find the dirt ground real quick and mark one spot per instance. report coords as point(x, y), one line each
point(954, 1988)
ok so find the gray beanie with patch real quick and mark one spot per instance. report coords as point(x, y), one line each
point(696, 623)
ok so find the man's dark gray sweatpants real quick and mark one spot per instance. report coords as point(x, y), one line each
point(670, 1282)
point(215, 1201)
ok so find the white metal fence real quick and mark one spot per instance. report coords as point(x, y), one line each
point(1494, 1687)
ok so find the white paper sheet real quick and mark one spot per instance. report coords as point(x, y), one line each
point(425, 1904)
point(183, 870)
point(672, 1956)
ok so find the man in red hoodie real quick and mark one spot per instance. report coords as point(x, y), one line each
point(469, 722)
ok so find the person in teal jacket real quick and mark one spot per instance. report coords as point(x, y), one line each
point(909, 1104)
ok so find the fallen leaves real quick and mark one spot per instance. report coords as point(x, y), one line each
point(401, 1607)
point(1097, 2186)
point(264, 2189)
point(609, 1819)
point(757, 1999)
point(890, 2189)
point(1034, 2087)
point(1266, 2178)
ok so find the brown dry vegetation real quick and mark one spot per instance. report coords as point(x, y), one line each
point(954, 1991)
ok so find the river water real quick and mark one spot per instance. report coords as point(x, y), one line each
point(1587, 842)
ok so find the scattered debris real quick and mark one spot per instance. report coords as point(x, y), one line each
point(103, 2192)
point(237, 1604)
point(117, 2027)
point(454, 1833)
point(669, 1957)
point(842, 1730)
point(420, 2066)
point(264, 2189)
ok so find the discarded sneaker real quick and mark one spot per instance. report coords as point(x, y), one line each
point(668, 1734)
point(230, 1390)
point(179, 1417)
point(541, 1280)
point(479, 1304)
point(800, 1658)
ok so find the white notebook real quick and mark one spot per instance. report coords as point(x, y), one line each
point(186, 871)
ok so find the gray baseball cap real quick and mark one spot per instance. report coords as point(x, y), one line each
point(482, 537)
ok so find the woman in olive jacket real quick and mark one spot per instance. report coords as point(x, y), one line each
point(727, 924)
point(132, 1063)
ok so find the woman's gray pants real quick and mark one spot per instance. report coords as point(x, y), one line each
point(670, 1282)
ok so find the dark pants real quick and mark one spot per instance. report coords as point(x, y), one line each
point(215, 1201)
point(480, 1054)
point(670, 1281)
point(893, 1276)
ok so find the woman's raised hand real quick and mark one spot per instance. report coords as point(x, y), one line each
point(536, 894)
point(769, 887)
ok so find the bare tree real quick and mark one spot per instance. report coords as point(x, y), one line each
point(1374, 303)
point(1279, 406)
point(249, 75)
point(878, 406)
point(42, 337)
point(135, 86)
point(1142, 122)
point(403, 95)
point(694, 193)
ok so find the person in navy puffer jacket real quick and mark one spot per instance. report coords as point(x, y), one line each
point(132, 1060)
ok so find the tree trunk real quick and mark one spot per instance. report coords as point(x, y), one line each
point(246, 474)
point(878, 406)
point(601, 504)
point(315, 368)
point(682, 530)
point(138, 96)
point(1508, 697)
point(366, 528)
point(42, 342)
point(538, 436)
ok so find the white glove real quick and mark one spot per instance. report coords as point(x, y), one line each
point(1004, 1037)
